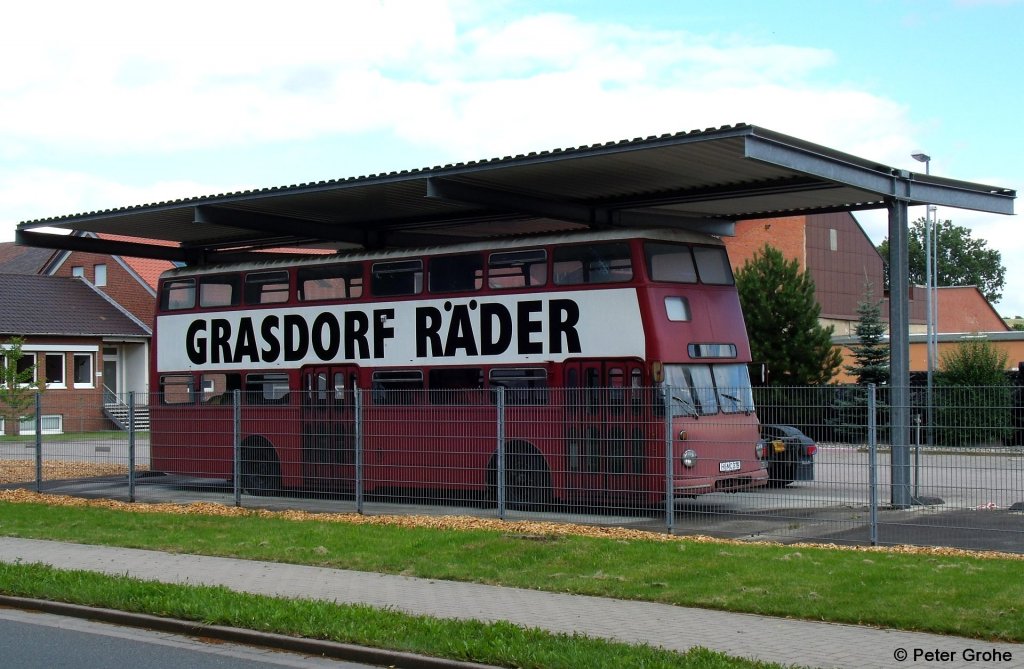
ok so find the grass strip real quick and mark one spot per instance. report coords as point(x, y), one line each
point(946, 594)
point(500, 644)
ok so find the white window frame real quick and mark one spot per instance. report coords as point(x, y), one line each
point(99, 273)
point(92, 369)
point(63, 370)
point(28, 425)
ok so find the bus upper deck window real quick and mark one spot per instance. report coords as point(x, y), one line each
point(404, 277)
point(670, 262)
point(448, 274)
point(266, 287)
point(178, 294)
point(219, 291)
point(593, 263)
point(713, 265)
point(517, 269)
point(330, 282)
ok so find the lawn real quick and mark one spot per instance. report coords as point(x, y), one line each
point(942, 591)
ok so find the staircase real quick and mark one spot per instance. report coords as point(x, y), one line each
point(117, 412)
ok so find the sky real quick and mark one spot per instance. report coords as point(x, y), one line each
point(112, 103)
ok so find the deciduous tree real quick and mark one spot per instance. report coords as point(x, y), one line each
point(18, 384)
point(961, 259)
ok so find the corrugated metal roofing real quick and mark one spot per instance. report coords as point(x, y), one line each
point(690, 180)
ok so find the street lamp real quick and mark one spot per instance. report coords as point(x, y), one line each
point(931, 282)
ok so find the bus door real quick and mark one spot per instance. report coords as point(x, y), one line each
point(605, 442)
point(329, 426)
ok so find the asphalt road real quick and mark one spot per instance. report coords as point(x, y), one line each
point(32, 640)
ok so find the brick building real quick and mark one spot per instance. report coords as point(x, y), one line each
point(840, 257)
point(80, 341)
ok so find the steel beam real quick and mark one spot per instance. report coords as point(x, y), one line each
point(281, 225)
point(102, 246)
point(899, 353)
point(563, 210)
point(881, 180)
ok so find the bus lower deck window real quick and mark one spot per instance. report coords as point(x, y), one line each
point(177, 389)
point(397, 387)
point(527, 385)
point(267, 388)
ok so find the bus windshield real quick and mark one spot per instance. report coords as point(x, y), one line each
point(705, 390)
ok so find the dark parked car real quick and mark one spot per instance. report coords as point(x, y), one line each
point(788, 454)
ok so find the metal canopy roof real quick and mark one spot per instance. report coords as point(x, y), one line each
point(698, 180)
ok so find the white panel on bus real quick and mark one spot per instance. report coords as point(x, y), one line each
point(492, 329)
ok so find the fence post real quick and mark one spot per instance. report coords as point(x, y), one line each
point(873, 465)
point(499, 481)
point(39, 441)
point(236, 445)
point(358, 399)
point(670, 507)
point(131, 446)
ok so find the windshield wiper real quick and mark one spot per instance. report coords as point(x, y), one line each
point(736, 401)
point(687, 405)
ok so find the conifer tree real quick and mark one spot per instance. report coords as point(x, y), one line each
point(781, 314)
point(871, 355)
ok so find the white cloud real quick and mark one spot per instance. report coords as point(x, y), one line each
point(138, 81)
point(43, 193)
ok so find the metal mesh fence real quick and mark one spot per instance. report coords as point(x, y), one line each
point(823, 464)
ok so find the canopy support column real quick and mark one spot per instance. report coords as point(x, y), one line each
point(899, 352)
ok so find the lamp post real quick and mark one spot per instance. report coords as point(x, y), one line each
point(931, 281)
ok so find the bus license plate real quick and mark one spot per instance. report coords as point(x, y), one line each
point(729, 466)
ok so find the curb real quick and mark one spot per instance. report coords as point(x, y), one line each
point(317, 647)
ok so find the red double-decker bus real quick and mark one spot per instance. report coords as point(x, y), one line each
point(621, 359)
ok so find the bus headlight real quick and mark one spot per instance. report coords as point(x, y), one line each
point(689, 458)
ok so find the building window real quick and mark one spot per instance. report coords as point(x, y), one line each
point(100, 274)
point(53, 424)
point(25, 364)
point(78, 271)
point(833, 239)
point(83, 370)
point(55, 370)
